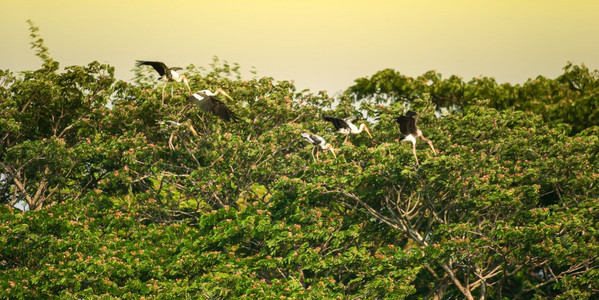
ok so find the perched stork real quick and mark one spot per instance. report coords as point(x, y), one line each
point(176, 124)
point(345, 126)
point(207, 102)
point(166, 74)
point(409, 131)
point(317, 140)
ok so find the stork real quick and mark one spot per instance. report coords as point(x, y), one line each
point(176, 124)
point(317, 140)
point(409, 131)
point(345, 126)
point(166, 74)
point(207, 102)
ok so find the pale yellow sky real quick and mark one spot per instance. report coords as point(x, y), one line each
point(322, 45)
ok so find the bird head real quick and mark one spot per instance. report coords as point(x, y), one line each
point(206, 93)
point(209, 93)
point(330, 148)
point(193, 130)
point(220, 91)
point(367, 130)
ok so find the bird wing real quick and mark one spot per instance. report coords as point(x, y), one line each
point(317, 140)
point(338, 123)
point(214, 106)
point(411, 114)
point(407, 125)
point(414, 116)
point(159, 66)
point(307, 138)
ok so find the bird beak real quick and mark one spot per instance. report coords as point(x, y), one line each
point(367, 131)
point(187, 84)
point(193, 130)
point(332, 150)
point(224, 93)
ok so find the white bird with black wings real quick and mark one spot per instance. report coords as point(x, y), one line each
point(345, 126)
point(166, 74)
point(207, 102)
point(317, 140)
point(407, 127)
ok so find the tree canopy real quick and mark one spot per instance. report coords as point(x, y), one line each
point(571, 98)
point(507, 209)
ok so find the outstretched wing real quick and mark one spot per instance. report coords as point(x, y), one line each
point(407, 125)
point(414, 116)
point(159, 66)
point(214, 106)
point(338, 123)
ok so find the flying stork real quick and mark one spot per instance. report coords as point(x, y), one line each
point(317, 140)
point(207, 102)
point(407, 127)
point(166, 74)
point(345, 126)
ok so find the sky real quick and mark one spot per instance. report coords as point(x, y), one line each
point(321, 45)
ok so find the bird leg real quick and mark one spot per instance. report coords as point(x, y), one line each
point(429, 142)
point(414, 151)
point(170, 141)
point(163, 94)
point(313, 158)
point(346, 136)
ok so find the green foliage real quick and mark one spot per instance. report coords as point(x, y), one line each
point(37, 43)
point(506, 210)
point(571, 98)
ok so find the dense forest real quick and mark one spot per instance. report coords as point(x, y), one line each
point(105, 191)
